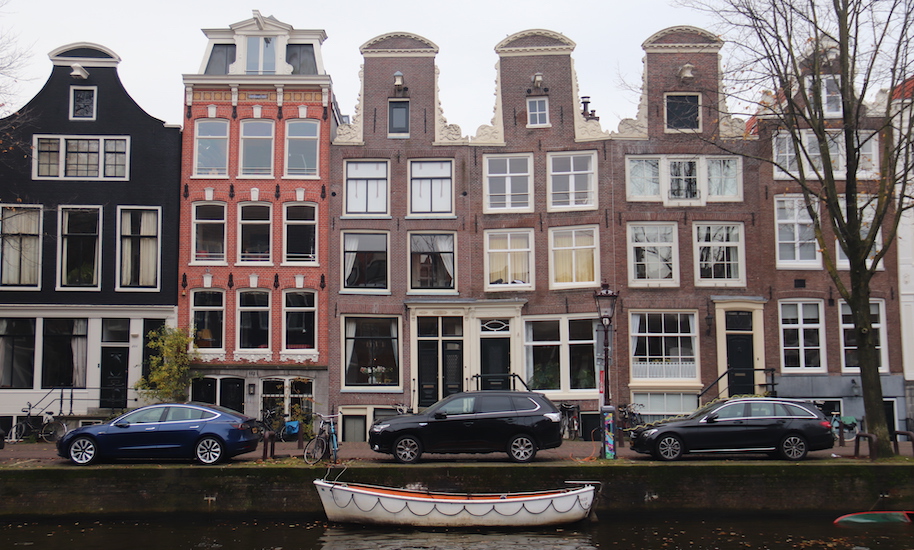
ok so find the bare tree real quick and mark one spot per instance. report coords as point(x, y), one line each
point(830, 83)
point(13, 60)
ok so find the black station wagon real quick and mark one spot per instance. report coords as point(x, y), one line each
point(514, 422)
point(781, 427)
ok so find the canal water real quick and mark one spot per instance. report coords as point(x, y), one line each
point(645, 531)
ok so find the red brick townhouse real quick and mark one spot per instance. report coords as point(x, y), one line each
point(260, 114)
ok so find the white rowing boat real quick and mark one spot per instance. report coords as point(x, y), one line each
point(359, 503)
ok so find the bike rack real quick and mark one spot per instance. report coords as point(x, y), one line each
point(901, 432)
point(870, 440)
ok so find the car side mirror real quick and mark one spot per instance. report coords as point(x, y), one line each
point(440, 416)
point(711, 417)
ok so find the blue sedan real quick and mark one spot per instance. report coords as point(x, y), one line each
point(207, 433)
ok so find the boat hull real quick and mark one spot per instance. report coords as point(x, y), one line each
point(352, 503)
point(876, 517)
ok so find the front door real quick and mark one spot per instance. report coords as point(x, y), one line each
point(495, 363)
point(114, 378)
point(231, 394)
point(741, 377)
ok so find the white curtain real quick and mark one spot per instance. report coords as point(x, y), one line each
point(350, 252)
point(148, 247)
point(350, 348)
point(79, 342)
point(722, 177)
point(20, 228)
point(445, 243)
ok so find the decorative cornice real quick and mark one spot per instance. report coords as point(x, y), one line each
point(57, 57)
point(565, 46)
point(430, 49)
point(713, 43)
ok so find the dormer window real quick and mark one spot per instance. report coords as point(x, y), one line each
point(82, 102)
point(220, 58)
point(537, 112)
point(261, 55)
point(683, 112)
point(831, 93)
point(301, 57)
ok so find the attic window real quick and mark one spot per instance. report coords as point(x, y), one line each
point(261, 55)
point(220, 58)
point(82, 103)
point(682, 112)
point(301, 57)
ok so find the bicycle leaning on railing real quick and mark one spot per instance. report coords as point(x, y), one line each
point(274, 421)
point(326, 441)
point(844, 427)
point(49, 430)
point(571, 423)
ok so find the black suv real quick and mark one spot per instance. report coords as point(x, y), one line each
point(516, 422)
point(787, 428)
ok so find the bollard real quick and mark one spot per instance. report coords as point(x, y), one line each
point(894, 439)
point(2, 438)
point(269, 444)
point(609, 431)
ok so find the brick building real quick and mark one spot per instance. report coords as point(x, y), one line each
point(259, 117)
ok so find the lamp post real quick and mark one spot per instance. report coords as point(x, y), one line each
point(606, 307)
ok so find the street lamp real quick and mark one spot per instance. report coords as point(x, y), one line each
point(606, 307)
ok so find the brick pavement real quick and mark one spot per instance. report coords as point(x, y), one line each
point(44, 454)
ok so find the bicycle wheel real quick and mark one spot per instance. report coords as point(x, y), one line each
point(315, 450)
point(18, 432)
point(52, 431)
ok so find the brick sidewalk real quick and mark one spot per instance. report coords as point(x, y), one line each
point(45, 454)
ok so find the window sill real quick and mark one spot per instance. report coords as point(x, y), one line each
point(312, 177)
point(372, 292)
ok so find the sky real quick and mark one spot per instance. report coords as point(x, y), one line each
point(160, 41)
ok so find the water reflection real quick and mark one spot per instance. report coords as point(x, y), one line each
point(644, 531)
point(360, 539)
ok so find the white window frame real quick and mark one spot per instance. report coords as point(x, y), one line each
point(673, 245)
point(286, 309)
point(564, 343)
point(394, 388)
point(664, 368)
point(436, 182)
point(119, 286)
point(215, 172)
point(575, 250)
point(409, 262)
point(739, 245)
point(195, 260)
point(831, 88)
point(508, 194)
point(261, 68)
point(17, 248)
point(878, 326)
point(590, 174)
point(285, 233)
point(61, 243)
point(62, 155)
point(241, 223)
point(291, 140)
point(538, 112)
point(343, 271)
point(800, 217)
point(377, 185)
point(239, 310)
point(800, 327)
point(663, 177)
point(73, 90)
point(194, 308)
point(244, 141)
point(783, 153)
point(666, 122)
point(868, 204)
point(399, 102)
point(530, 250)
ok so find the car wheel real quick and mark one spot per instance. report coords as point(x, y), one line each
point(208, 450)
point(793, 447)
point(83, 451)
point(522, 448)
point(668, 447)
point(407, 450)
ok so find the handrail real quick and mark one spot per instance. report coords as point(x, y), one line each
point(727, 372)
point(512, 376)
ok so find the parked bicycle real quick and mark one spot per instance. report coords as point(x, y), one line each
point(48, 429)
point(629, 417)
point(321, 447)
point(273, 420)
point(844, 426)
point(571, 423)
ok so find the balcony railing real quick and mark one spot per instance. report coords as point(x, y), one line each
point(664, 369)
